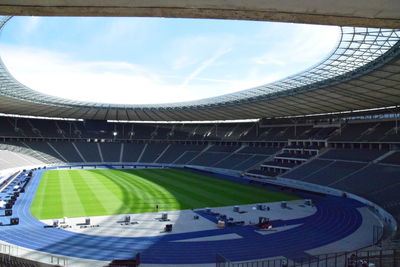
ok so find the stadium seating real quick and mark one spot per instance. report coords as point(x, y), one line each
point(354, 171)
point(89, 151)
point(364, 155)
point(259, 150)
point(232, 160)
point(250, 162)
point(152, 152)
point(208, 158)
point(350, 131)
point(376, 133)
point(271, 132)
point(366, 168)
point(45, 148)
point(131, 152)
point(335, 171)
point(7, 128)
point(25, 155)
point(291, 155)
point(226, 149)
point(285, 159)
point(68, 150)
point(388, 198)
point(393, 135)
point(302, 172)
point(175, 151)
point(186, 157)
point(8, 260)
point(264, 172)
point(369, 180)
point(392, 159)
point(277, 164)
point(111, 151)
point(317, 133)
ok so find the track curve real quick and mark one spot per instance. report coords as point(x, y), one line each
point(335, 219)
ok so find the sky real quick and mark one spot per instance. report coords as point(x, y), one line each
point(157, 60)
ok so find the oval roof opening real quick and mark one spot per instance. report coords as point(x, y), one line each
point(157, 60)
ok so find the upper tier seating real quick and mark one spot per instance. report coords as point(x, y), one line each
point(23, 127)
point(317, 133)
point(90, 129)
point(352, 131)
point(377, 133)
point(271, 132)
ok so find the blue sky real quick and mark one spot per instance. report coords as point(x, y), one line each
point(157, 60)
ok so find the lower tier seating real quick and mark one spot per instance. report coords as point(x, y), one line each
point(102, 152)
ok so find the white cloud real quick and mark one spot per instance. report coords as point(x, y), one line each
point(205, 64)
point(192, 61)
point(188, 51)
point(57, 74)
point(125, 30)
point(269, 59)
point(31, 25)
point(298, 44)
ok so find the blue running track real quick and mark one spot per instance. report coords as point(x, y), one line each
point(335, 219)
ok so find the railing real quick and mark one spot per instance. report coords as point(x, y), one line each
point(11, 251)
point(221, 261)
point(376, 258)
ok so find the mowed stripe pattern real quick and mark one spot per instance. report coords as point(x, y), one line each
point(80, 193)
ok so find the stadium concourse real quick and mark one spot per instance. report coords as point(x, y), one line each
point(326, 141)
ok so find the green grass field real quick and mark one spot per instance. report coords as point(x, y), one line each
point(80, 193)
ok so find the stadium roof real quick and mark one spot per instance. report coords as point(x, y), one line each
point(362, 73)
point(361, 13)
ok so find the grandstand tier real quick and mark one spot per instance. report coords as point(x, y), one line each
point(340, 160)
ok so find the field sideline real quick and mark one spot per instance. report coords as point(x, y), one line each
point(80, 193)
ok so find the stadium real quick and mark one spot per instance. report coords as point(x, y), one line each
point(304, 171)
